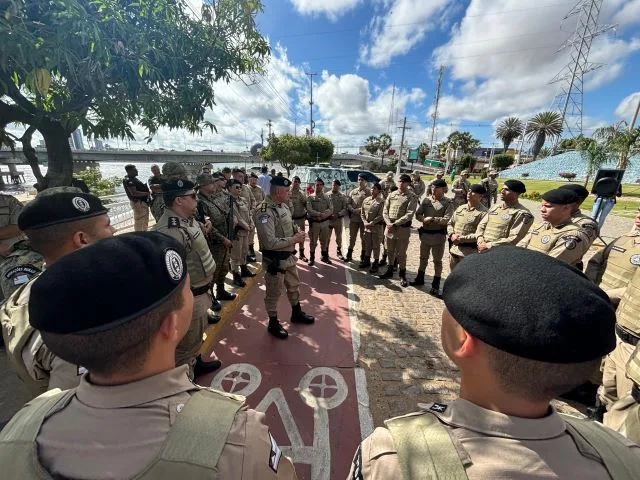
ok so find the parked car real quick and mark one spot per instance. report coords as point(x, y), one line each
point(348, 176)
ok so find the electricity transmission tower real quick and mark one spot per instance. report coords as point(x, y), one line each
point(436, 103)
point(312, 124)
point(569, 101)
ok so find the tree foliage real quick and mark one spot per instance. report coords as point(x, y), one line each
point(620, 141)
point(542, 127)
point(462, 140)
point(291, 151)
point(502, 161)
point(106, 65)
point(372, 144)
point(97, 185)
point(594, 153)
point(385, 145)
point(466, 162)
point(423, 151)
point(508, 130)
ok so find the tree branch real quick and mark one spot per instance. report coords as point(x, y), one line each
point(14, 93)
point(13, 113)
point(30, 153)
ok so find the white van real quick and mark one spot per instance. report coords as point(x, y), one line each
point(348, 177)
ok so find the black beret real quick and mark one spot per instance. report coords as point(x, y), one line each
point(280, 181)
point(59, 207)
point(319, 180)
point(237, 170)
point(515, 186)
point(439, 183)
point(477, 188)
point(579, 190)
point(97, 279)
point(560, 196)
point(129, 166)
point(296, 178)
point(546, 310)
point(205, 179)
point(405, 178)
point(232, 182)
point(337, 182)
point(226, 170)
point(177, 185)
point(362, 175)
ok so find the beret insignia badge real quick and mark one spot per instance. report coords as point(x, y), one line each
point(80, 204)
point(173, 261)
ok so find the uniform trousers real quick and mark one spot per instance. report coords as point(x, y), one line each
point(336, 225)
point(397, 246)
point(252, 234)
point(372, 240)
point(275, 284)
point(157, 207)
point(221, 255)
point(300, 223)
point(140, 215)
point(239, 252)
point(615, 384)
point(320, 231)
point(432, 244)
point(187, 349)
point(354, 229)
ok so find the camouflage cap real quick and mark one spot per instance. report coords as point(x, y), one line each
point(172, 169)
point(389, 174)
point(53, 190)
point(204, 179)
point(633, 366)
point(464, 172)
point(493, 172)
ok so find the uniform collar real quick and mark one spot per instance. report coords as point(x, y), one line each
point(165, 384)
point(171, 213)
point(467, 415)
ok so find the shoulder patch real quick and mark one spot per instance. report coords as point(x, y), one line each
point(571, 241)
point(527, 218)
point(275, 454)
point(263, 218)
point(635, 259)
point(22, 269)
point(263, 207)
point(438, 407)
point(174, 222)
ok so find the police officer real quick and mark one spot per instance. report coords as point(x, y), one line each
point(134, 414)
point(439, 175)
point(557, 235)
point(417, 184)
point(373, 219)
point(19, 267)
point(463, 240)
point(587, 224)
point(139, 199)
point(514, 358)
point(491, 185)
point(506, 223)
point(399, 209)
point(434, 212)
point(387, 183)
point(319, 210)
point(460, 188)
point(340, 205)
point(177, 221)
point(356, 197)
point(258, 196)
point(56, 224)
point(247, 194)
point(298, 207)
point(278, 236)
point(155, 186)
point(624, 415)
point(240, 246)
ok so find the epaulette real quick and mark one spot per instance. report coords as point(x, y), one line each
point(174, 222)
point(263, 207)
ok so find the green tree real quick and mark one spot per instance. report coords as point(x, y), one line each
point(384, 146)
point(320, 148)
point(544, 126)
point(291, 151)
point(620, 142)
point(97, 185)
point(423, 151)
point(502, 161)
point(508, 130)
point(462, 140)
point(466, 162)
point(106, 65)
point(594, 154)
point(372, 144)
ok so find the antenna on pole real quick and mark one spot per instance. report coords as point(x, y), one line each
point(269, 124)
point(436, 103)
point(312, 124)
point(393, 99)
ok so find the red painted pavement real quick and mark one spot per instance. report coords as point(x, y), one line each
point(283, 364)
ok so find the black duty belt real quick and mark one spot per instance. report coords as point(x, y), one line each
point(442, 231)
point(200, 290)
point(404, 225)
point(626, 336)
point(300, 217)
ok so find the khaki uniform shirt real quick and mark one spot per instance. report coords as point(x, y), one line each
point(493, 445)
point(298, 204)
point(216, 207)
point(460, 189)
point(624, 417)
point(464, 223)
point(115, 432)
point(356, 197)
point(371, 212)
point(10, 209)
point(20, 266)
point(243, 214)
point(587, 224)
point(258, 194)
point(274, 226)
point(440, 210)
point(566, 242)
point(504, 225)
point(386, 187)
point(340, 203)
point(399, 208)
point(317, 204)
point(419, 188)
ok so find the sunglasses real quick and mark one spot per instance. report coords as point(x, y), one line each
point(237, 187)
point(192, 195)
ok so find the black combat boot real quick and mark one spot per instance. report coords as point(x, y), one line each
point(364, 262)
point(340, 256)
point(302, 257)
point(222, 294)
point(276, 329)
point(387, 274)
point(419, 280)
point(212, 317)
point(435, 287)
point(298, 316)
point(245, 272)
point(383, 259)
point(312, 259)
point(374, 267)
point(324, 256)
point(215, 304)
point(403, 278)
point(251, 257)
point(349, 256)
point(237, 280)
point(202, 368)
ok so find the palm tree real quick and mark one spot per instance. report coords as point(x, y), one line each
point(508, 130)
point(384, 141)
point(594, 153)
point(620, 141)
point(372, 144)
point(544, 126)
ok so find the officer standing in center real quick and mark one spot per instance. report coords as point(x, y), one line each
point(278, 236)
point(491, 185)
point(340, 205)
point(373, 219)
point(356, 198)
point(319, 210)
point(463, 240)
point(460, 189)
point(177, 221)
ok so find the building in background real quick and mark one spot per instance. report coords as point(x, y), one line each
point(98, 144)
point(75, 140)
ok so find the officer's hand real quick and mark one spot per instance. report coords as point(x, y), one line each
point(427, 220)
point(299, 237)
point(227, 243)
point(455, 239)
point(207, 226)
point(482, 247)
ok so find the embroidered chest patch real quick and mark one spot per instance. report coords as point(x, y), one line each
point(545, 239)
point(635, 259)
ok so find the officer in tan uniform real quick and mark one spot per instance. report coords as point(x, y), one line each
point(386, 184)
point(462, 227)
point(460, 188)
point(491, 185)
point(56, 225)
point(278, 236)
point(439, 175)
point(399, 209)
point(514, 358)
point(557, 235)
point(506, 223)
point(434, 212)
point(247, 194)
point(340, 205)
point(624, 415)
point(240, 247)
point(356, 198)
point(258, 196)
point(19, 267)
point(134, 414)
point(587, 224)
point(417, 184)
point(177, 221)
point(373, 219)
point(298, 207)
point(319, 211)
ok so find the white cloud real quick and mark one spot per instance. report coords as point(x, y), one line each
point(627, 107)
point(333, 9)
point(629, 14)
point(399, 28)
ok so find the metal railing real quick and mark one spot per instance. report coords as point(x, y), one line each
point(120, 211)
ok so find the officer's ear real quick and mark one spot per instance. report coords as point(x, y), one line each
point(81, 239)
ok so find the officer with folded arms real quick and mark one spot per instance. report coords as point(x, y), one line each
point(134, 414)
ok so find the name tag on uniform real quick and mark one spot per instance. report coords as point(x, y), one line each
point(618, 249)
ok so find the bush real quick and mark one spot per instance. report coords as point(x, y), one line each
point(97, 185)
point(525, 175)
point(568, 175)
point(536, 196)
point(391, 166)
point(502, 161)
